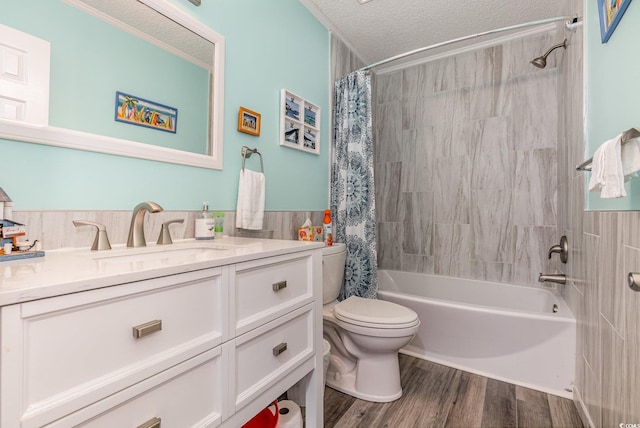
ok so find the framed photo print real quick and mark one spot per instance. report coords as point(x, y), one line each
point(249, 121)
point(291, 132)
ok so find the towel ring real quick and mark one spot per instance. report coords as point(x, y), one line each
point(247, 152)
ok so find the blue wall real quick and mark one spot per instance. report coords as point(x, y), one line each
point(269, 46)
point(613, 91)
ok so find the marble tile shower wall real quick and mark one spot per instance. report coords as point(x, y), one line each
point(55, 228)
point(343, 60)
point(466, 164)
point(604, 247)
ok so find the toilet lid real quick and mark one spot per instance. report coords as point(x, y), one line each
point(374, 313)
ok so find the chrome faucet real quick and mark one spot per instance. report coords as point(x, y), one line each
point(558, 278)
point(136, 230)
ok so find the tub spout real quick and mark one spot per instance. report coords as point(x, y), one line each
point(558, 278)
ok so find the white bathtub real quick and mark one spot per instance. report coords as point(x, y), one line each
point(504, 332)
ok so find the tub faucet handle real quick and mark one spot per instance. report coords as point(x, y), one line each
point(562, 249)
point(101, 241)
point(633, 280)
point(165, 235)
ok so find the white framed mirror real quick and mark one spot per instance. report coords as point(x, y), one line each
point(198, 140)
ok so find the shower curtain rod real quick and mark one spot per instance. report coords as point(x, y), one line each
point(472, 36)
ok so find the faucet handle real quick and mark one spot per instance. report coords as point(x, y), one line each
point(562, 249)
point(165, 236)
point(101, 242)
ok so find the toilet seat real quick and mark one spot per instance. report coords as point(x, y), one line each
point(373, 313)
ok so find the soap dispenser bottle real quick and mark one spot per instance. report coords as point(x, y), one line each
point(204, 223)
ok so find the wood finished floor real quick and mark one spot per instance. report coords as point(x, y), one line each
point(440, 396)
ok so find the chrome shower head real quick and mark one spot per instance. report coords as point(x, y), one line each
point(541, 61)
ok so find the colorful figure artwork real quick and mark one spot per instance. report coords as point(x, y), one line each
point(138, 111)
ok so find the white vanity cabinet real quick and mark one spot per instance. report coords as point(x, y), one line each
point(203, 348)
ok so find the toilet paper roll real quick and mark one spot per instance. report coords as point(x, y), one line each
point(290, 415)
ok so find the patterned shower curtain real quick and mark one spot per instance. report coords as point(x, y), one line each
point(352, 186)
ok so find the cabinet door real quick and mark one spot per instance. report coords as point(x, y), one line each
point(64, 353)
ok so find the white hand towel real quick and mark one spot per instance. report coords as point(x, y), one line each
point(631, 159)
point(606, 170)
point(251, 196)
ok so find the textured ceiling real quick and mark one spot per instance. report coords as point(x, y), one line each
point(384, 28)
point(138, 18)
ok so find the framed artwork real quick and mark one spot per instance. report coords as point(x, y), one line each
point(249, 121)
point(138, 111)
point(611, 12)
point(299, 123)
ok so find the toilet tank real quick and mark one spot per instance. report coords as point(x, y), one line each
point(333, 261)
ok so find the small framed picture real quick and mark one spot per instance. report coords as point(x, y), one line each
point(249, 121)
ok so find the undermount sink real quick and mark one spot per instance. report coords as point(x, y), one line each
point(155, 254)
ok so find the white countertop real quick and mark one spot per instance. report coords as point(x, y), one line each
point(72, 270)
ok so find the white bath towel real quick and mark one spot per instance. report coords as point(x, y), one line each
point(631, 159)
point(251, 197)
point(607, 175)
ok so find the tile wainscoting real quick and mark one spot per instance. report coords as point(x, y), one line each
point(55, 228)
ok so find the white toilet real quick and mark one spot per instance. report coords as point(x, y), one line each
point(365, 336)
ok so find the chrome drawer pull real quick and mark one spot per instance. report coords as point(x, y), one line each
point(147, 328)
point(280, 349)
point(151, 423)
point(279, 285)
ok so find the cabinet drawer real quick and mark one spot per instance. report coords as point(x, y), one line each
point(268, 352)
point(187, 395)
point(264, 291)
point(77, 349)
